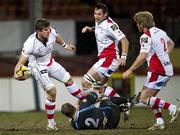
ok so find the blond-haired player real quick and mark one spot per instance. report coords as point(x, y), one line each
point(155, 48)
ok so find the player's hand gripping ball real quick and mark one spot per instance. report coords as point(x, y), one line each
point(23, 73)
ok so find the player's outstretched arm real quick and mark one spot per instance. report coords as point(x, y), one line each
point(60, 41)
point(87, 29)
point(137, 63)
point(125, 47)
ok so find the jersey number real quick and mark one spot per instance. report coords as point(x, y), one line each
point(90, 121)
point(164, 43)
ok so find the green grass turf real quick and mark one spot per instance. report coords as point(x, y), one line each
point(34, 123)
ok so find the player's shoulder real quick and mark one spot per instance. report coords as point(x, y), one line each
point(145, 38)
point(31, 38)
point(112, 24)
point(158, 30)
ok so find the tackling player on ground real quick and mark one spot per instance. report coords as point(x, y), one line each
point(93, 114)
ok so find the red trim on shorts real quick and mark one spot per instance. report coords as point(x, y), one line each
point(51, 61)
point(107, 62)
point(153, 77)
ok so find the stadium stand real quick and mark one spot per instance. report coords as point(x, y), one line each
point(80, 9)
point(163, 10)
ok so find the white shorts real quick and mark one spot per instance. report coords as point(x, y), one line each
point(43, 74)
point(106, 66)
point(156, 81)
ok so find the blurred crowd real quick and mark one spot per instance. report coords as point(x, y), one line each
point(80, 9)
point(166, 13)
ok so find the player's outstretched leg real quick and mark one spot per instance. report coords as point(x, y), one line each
point(74, 90)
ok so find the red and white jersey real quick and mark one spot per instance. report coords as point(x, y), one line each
point(108, 36)
point(154, 42)
point(37, 52)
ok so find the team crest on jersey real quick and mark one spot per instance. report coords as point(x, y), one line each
point(114, 27)
point(144, 40)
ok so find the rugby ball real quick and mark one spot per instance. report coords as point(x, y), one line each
point(23, 73)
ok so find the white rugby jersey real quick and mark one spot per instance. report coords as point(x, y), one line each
point(37, 52)
point(154, 42)
point(108, 36)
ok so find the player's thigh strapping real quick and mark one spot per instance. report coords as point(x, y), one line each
point(105, 67)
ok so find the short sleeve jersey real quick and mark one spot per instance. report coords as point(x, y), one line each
point(154, 43)
point(38, 52)
point(108, 36)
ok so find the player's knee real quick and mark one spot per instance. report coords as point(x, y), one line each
point(49, 87)
point(69, 82)
point(51, 93)
point(87, 81)
point(85, 84)
point(67, 78)
point(143, 98)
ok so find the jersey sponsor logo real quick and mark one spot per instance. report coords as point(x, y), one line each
point(114, 27)
point(92, 121)
point(161, 84)
point(43, 51)
point(144, 39)
point(43, 71)
point(109, 71)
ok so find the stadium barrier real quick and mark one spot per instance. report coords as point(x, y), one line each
point(18, 96)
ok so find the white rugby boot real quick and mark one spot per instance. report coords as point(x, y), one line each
point(52, 127)
point(157, 127)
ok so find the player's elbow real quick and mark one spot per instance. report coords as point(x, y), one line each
point(125, 41)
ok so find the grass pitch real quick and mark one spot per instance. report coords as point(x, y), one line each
point(34, 123)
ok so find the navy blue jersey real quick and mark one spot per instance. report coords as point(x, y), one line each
point(107, 115)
